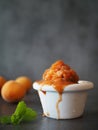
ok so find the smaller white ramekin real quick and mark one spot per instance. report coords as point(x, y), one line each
point(70, 104)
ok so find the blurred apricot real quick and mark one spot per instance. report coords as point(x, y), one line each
point(2, 81)
point(25, 81)
point(12, 91)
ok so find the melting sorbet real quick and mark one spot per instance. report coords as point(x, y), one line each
point(59, 75)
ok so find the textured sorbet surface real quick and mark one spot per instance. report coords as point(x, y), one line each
point(59, 75)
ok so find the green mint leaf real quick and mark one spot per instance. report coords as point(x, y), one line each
point(17, 116)
point(21, 108)
point(29, 115)
point(5, 119)
point(21, 114)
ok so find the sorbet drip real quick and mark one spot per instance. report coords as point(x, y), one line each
point(57, 105)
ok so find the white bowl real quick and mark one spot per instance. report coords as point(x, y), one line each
point(70, 104)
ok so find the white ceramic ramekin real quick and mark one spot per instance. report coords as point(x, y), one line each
point(70, 104)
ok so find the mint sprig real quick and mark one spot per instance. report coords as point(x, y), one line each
point(21, 114)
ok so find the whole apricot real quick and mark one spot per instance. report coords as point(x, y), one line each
point(2, 81)
point(12, 91)
point(25, 81)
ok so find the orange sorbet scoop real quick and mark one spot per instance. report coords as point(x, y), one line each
point(59, 75)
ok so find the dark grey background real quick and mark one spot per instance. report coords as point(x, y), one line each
point(36, 33)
